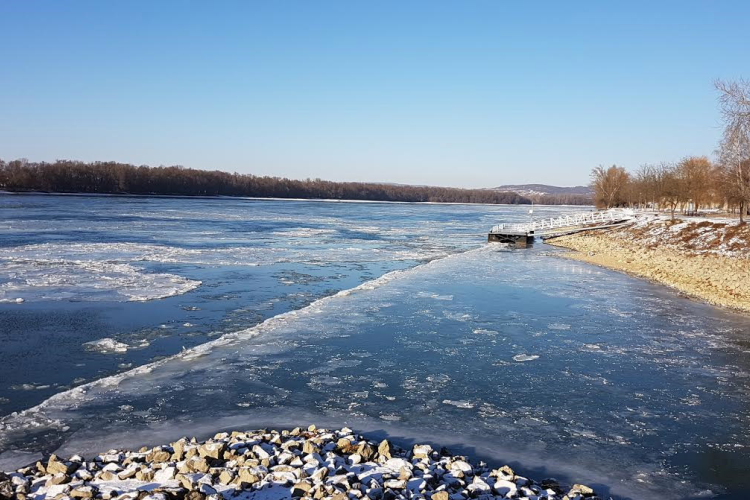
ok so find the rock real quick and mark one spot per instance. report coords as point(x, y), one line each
point(365, 451)
point(301, 489)
point(505, 488)
point(195, 495)
point(158, 456)
point(551, 484)
point(581, 489)
point(56, 467)
point(226, 477)
point(6, 489)
point(59, 478)
point(128, 473)
point(505, 472)
point(479, 487)
point(164, 475)
point(144, 475)
point(106, 475)
point(343, 445)
point(309, 447)
point(87, 491)
point(320, 474)
point(246, 477)
point(396, 484)
point(463, 466)
point(206, 489)
point(440, 495)
point(422, 451)
point(178, 448)
point(198, 464)
point(260, 452)
point(213, 450)
point(384, 449)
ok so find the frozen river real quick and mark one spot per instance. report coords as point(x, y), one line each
point(127, 321)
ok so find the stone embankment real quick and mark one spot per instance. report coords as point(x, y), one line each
point(270, 465)
point(704, 259)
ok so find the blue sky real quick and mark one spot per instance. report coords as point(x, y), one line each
point(471, 94)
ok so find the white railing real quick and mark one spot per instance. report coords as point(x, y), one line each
point(564, 221)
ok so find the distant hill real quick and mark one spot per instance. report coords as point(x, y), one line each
point(551, 195)
point(542, 189)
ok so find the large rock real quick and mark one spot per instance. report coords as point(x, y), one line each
point(158, 456)
point(212, 450)
point(87, 491)
point(384, 449)
point(246, 477)
point(59, 478)
point(422, 451)
point(581, 489)
point(55, 466)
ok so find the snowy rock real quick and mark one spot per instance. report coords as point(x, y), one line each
point(505, 488)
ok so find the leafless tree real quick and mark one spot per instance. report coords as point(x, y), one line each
point(609, 186)
point(734, 151)
point(698, 180)
point(671, 192)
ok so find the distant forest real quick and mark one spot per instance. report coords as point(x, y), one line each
point(65, 176)
point(562, 199)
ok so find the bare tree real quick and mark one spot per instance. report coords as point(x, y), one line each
point(609, 186)
point(734, 151)
point(698, 177)
point(671, 192)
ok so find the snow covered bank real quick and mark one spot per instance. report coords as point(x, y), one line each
point(309, 464)
point(704, 259)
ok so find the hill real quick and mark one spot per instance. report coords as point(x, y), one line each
point(542, 189)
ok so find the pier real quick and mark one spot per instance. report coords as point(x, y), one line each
point(522, 235)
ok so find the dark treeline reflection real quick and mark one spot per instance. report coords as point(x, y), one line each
point(65, 176)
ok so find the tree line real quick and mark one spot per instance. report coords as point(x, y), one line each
point(695, 182)
point(66, 176)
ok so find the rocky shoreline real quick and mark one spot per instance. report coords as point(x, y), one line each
point(268, 465)
point(706, 260)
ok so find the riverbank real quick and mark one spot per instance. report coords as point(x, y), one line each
point(310, 464)
point(707, 260)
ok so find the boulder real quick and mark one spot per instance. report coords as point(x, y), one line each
point(213, 450)
point(58, 478)
point(54, 466)
point(581, 489)
point(384, 449)
point(421, 451)
point(87, 491)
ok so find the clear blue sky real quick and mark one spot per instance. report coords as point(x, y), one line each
point(461, 93)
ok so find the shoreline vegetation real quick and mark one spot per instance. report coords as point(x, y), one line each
point(65, 176)
point(704, 259)
point(310, 464)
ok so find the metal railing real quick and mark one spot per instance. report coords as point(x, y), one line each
point(566, 221)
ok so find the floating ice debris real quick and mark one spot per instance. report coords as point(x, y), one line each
point(482, 331)
point(458, 404)
point(434, 296)
point(17, 300)
point(30, 387)
point(106, 346)
point(558, 326)
point(525, 357)
point(390, 417)
point(307, 463)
